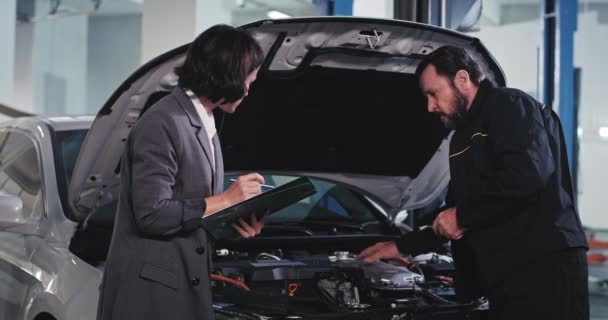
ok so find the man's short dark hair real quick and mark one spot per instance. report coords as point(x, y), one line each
point(448, 60)
point(218, 62)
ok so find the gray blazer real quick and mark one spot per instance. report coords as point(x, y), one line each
point(159, 262)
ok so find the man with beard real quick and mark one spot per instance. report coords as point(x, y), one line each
point(515, 233)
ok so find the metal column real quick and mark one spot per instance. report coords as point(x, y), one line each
point(559, 23)
point(334, 7)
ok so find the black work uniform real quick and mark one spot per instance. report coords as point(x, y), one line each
point(524, 246)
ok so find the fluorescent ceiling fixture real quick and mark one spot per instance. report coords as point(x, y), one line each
point(274, 14)
point(603, 132)
point(579, 132)
point(138, 1)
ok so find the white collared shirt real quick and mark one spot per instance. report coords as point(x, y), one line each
point(208, 122)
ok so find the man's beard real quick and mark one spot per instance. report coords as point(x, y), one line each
point(455, 118)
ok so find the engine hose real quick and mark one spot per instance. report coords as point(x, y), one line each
point(435, 297)
point(362, 315)
point(236, 283)
point(234, 314)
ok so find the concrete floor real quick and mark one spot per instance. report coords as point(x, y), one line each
point(598, 298)
point(599, 307)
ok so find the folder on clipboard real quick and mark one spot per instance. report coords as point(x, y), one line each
point(219, 224)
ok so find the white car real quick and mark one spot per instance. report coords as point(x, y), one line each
point(336, 100)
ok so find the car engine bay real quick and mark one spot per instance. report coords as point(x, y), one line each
point(299, 285)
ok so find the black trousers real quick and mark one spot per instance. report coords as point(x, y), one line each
point(554, 287)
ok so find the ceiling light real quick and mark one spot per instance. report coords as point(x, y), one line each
point(274, 14)
point(603, 132)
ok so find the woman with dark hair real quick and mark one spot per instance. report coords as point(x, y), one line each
point(172, 175)
point(218, 63)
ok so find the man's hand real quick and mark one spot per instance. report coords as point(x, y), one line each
point(247, 230)
point(446, 225)
point(381, 250)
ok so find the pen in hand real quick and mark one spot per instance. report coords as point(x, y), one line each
point(261, 185)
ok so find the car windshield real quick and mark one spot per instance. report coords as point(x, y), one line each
point(331, 203)
point(66, 146)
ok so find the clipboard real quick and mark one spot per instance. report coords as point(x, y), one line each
point(219, 224)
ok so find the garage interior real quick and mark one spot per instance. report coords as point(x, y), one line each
point(65, 58)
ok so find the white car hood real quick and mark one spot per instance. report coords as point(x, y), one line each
point(335, 99)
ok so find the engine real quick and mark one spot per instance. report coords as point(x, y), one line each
point(302, 285)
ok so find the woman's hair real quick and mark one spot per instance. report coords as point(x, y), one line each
point(218, 62)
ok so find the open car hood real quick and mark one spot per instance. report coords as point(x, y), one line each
point(335, 98)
